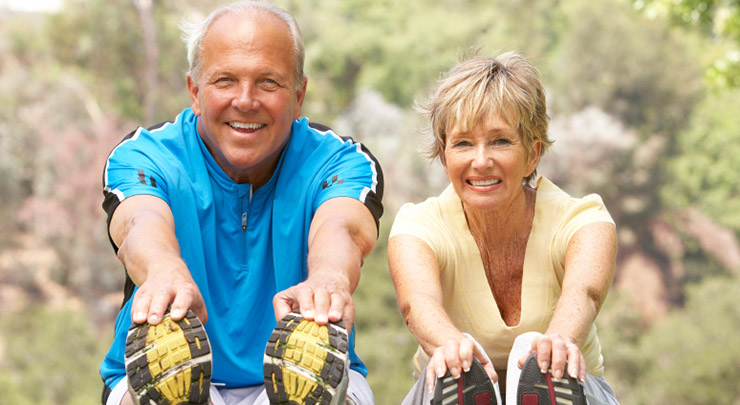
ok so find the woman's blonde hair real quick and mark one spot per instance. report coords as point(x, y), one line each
point(507, 84)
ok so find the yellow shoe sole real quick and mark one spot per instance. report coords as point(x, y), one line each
point(169, 363)
point(306, 363)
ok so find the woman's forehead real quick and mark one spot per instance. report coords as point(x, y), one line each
point(468, 121)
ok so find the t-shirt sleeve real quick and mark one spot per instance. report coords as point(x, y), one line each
point(575, 214)
point(417, 220)
point(132, 169)
point(352, 172)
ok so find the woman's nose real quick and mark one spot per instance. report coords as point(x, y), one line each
point(482, 158)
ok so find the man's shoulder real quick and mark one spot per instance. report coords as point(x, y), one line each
point(309, 135)
point(159, 138)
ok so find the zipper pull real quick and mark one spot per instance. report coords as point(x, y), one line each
point(244, 222)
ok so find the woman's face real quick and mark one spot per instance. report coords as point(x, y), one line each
point(487, 164)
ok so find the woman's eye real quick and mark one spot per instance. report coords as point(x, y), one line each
point(460, 143)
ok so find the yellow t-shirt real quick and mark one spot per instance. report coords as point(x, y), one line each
point(467, 298)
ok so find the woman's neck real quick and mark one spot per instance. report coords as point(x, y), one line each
point(508, 223)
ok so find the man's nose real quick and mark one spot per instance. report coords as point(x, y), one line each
point(247, 98)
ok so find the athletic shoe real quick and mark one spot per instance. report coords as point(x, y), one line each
point(537, 388)
point(473, 387)
point(169, 363)
point(306, 363)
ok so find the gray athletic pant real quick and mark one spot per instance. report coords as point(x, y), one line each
point(597, 390)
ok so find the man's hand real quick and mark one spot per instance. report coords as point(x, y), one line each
point(324, 297)
point(163, 288)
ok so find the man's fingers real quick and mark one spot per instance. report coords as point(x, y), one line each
point(158, 306)
point(321, 302)
point(140, 307)
point(283, 303)
point(180, 305)
point(344, 311)
point(304, 298)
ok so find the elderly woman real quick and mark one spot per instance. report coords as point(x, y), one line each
point(502, 270)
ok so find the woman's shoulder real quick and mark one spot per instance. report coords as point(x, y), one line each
point(434, 214)
point(555, 203)
point(446, 201)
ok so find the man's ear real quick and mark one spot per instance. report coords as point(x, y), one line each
point(300, 96)
point(193, 90)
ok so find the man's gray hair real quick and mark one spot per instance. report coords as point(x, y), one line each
point(194, 33)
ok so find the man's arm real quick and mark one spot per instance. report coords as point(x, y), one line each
point(342, 233)
point(144, 230)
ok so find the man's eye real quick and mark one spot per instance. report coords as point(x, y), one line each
point(270, 84)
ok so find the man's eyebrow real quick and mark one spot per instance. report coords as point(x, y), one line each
point(216, 73)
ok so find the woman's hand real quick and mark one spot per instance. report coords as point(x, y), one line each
point(553, 351)
point(456, 356)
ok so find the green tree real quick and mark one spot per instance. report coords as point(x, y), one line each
point(104, 43)
point(607, 63)
point(718, 19)
point(50, 357)
point(704, 173)
point(692, 356)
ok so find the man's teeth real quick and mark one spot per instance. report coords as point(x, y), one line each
point(484, 182)
point(244, 125)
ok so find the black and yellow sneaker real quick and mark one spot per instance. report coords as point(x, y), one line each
point(538, 388)
point(306, 363)
point(473, 387)
point(169, 363)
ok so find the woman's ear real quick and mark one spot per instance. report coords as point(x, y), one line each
point(534, 157)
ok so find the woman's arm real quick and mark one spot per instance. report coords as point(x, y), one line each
point(589, 270)
point(415, 274)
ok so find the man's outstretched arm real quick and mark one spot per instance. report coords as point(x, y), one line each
point(143, 228)
point(342, 234)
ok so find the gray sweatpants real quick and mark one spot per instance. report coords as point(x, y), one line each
point(358, 392)
point(597, 390)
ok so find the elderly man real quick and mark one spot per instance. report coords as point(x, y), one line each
point(241, 214)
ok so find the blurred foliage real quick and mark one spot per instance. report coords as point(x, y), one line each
point(687, 358)
point(49, 357)
point(704, 172)
point(717, 19)
point(633, 117)
point(385, 348)
point(87, 39)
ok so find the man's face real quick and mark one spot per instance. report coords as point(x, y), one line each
point(246, 94)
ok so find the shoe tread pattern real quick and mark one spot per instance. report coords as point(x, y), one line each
point(169, 363)
point(305, 362)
